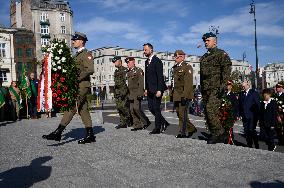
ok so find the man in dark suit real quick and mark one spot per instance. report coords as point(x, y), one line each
point(249, 104)
point(154, 87)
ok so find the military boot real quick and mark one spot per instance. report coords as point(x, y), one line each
point(55, 135)
point(89, 136)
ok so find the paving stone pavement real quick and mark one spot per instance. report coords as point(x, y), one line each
point(122, 158)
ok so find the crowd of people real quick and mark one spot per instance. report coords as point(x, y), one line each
point(132, 84)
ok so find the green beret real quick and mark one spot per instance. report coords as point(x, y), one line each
point(207, 35)
point(115, 58)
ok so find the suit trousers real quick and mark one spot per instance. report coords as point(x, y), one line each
point(250, 130)
point(154, 104)
point(82, 105)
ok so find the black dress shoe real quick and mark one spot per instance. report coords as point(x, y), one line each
point(89, 138)
point(55, 135)
point(191, 133)
point(181, 136)
point(136, 129)
point(121, 126)
point(155, 131)
point(164, 126)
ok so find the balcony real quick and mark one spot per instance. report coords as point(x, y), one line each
point(47, 36)
point(44, 22)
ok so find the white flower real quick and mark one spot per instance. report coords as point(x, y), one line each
point(48, 49)
point(280, 102)
point(282, 106)
point(56, 58)
point(60, 51)
point(61, 46)
point(53, 64)
point(223, 104)
point(59, 67)
point(55, 69)
point(63, 70)
point(283, 110)
point(63, 59)
point(43, 46)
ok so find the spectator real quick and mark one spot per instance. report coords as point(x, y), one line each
point(32, 102)
point(15, 100)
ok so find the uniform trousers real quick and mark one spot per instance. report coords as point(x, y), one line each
point(136, 113)
point(181, 110)
point(83, 111)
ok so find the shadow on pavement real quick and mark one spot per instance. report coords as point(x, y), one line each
point(76, 134)
point(275, 184)
point(3, 124)
point(26, 176)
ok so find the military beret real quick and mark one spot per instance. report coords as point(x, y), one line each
point(79, 36)
point(129, 59)
point(280, 84)
point(230, 82)
point(115, 58)
point(179, 52)
point(208, 35)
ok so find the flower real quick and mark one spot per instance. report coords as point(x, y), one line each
point(55, 69)
point(63, 59)
point(60, 51)
point(53, 63)
point(62, 79)
point(59, 67)
point(64, 71)
point(56, 58)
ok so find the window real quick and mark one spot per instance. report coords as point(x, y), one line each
point(29, 52)
point(3, 75)
point(193, 65)
point(130, 53)
point(19, 52)
point(63, 29)
point(44, 29)
point(116, 52)
point(139, 61)
point(109, 77)
point(110, 60)
point(62, 17)
point(2, 50)
point(44, 41)
point(43, 16)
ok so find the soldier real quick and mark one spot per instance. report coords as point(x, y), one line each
point(135, 78)
point(182, 93)
point(121, 93)
point(85, 65)
point(279, 95)
point(215, 69)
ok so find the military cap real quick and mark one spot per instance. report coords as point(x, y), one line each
point(129, 59)
point(79, 36)
point(179, 52)
point(230, 82)
point(280, 84)
point(208, 35)
point(115, 58)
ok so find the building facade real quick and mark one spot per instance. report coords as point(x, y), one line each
point(47, 19)
point(7, 56)
point(272, 74)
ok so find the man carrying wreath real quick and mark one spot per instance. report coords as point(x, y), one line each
point(85, 66)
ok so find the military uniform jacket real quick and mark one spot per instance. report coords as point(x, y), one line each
point(182, 81)
point(120, 87)
point(135, 78)
point(215, 70)
point(85, 65)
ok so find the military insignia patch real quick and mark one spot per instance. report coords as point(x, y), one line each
point(189, 71)
point(90, 57)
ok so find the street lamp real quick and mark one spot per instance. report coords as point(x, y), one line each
point(252, 11)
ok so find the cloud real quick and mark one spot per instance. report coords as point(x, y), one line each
point(99, 26)
point(155, 6)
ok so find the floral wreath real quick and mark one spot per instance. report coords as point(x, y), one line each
point(226, 114)
point(64, 75)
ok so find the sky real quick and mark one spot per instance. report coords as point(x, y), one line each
point(180, 24)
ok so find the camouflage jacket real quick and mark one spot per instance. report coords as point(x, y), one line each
point(215, 70)
point(135, 78)
point(182, 82)
point(120, 87)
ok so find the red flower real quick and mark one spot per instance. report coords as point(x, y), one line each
point(54, 95)
point(56, 75)
point(59, 92)
point(57, 99)
point(62, 79)
point(65, 88)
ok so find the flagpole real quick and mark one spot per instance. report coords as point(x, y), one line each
point(27, 105)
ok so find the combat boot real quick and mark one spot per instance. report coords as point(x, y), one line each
point(89, 136)
point(55, 135)
point(214, 139)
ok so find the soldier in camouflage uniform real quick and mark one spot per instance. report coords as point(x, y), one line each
point(215, 70)
point(135, 78)
point(182, 93)
point(279, 96)
point(121, 93)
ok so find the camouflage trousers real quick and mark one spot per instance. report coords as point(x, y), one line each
point(180, 113)
point(211, 110)
point(123, 111)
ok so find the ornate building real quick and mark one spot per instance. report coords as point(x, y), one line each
point(272, 74)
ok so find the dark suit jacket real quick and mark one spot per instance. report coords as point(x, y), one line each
point(268, 116)
point(249, 105)
point(154, 79)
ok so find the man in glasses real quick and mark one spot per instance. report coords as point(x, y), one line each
point(182, 92)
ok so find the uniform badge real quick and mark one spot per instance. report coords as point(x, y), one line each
point(90, 57)
point(189, 71)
